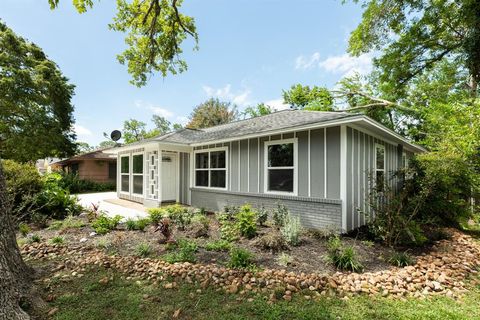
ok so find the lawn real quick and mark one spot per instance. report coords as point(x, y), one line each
point(89, 298)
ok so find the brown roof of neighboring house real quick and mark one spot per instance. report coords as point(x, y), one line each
point(92, 155)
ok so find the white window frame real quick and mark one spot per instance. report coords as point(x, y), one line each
point(404, 160)
point(266, 168)
point(125, 173)
point(138, 174)
point(195, 169)
point(379, 146)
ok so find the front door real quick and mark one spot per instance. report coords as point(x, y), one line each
point(169, 177)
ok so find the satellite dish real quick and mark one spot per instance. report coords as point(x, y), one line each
point(115, 135)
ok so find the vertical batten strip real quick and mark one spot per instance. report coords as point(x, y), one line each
point(248, 165)
point(258, 163)
point(325, 181)
point(343, 175)
point(239, 165)
point(309, 167)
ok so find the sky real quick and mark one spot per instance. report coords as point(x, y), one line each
point(249, 51)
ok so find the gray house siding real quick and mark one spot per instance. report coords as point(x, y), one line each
point(314, 213)
point(184, 179)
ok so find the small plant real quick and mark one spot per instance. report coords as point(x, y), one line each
point(24, 229)
point(21, 242)
point(262, 216)
point(202, 219)
point(104, 224)
point(34, 238)
point(57, 240)
point(143, 250)
point(231, 211)
point(272, 240)
point(246, 221)
point(284, 259)
point(218, 245)
point(69, 222)
point(343, 258)
point(291, 230)
point(142, 224)
point(400, 259)
point(279, 215)
point(131, 224)
point(240, 259)
point(103, 243)
point(185, 252)
point(326, 232)
point(228, 228)
point(156, 214)
point(368, 243)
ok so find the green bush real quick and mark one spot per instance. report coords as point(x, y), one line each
point(142, 224)
point(284, 259)
point(131, 224)
point(74, 184)
point(400, 259)
point(143, 250)
point(240, 259)
point(262, 216)
point(291, 229)
point(246, 221)
point(218, 245)
point(279, 214)
point(181, 216)
point(156, 214)
point(104, 224)
point(24, 229)
point(343, 257)
point(34, 238)
point(185, 252)
point(228, 228)
point(57, 240)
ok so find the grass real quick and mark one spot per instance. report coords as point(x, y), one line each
point(86, 298)
point(69, 222)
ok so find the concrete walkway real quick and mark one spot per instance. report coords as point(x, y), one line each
point(112, 205)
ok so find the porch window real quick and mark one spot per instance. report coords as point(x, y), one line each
point(379, 167)
point(211, 168)
point(281, 166)
point(137, 173)
point(125, 173)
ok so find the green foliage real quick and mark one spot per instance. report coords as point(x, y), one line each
point(279, 215)
point(218, 245)
point(273, 241)
point(259, 110)
point(180, 215)
point(143, 250)
point(291, 230)
point(262, 216)
point(284, 259)
point(240, 259)
point(343, 257)
point(34, 238)
point(24, 229)
point(211, 113)
point(70, 222)
point(130, 224)
point(201, 219)
point(246, 221)
point(228, 228)
point(304, 97)
point(400, 259)
point(73, 184)
point(185, 252)
point(36, 113)
point(104, 224)
point(139, 224)
point(156, 214)
point(57, 240)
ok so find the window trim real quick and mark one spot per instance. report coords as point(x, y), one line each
point(138, 174)
point(405, 160)
point(209, 150)
point(125, 173)
point(295, 166)
point(380, 146)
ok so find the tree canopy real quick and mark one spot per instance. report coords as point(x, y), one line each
point(260, 109)
point(211, 113)
point(304, 97)
point(35, 102)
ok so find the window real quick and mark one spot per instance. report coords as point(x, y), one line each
point(280, 173)
point(404, 160)
point(74, 168)
point(137, 172)
point(379, 167)
point(211, 168)
point(125, 174)
point(112, 170)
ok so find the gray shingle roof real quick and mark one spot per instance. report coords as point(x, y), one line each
point(275, 121)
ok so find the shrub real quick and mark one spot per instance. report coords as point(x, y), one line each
point(57, 240)
point(218, 245)
point(231, 211)
point(34, 238)
point(272, 240)
point(291, 229)
point(199, 226)
point(141, 224)
point(240, 259)
point(74, 184)
point(246, 221)
point(156, 214)
point(104, 224)
point(284, 259)
point(326, 232)
point(279, 214)
point(131, 224)
point(344, 258)
point(400, 259)
point(69, 222)
point(262, 216)
point(181, 216)
point(143, 250)
point(228, 228)
point(24, 229)
point(185, 252)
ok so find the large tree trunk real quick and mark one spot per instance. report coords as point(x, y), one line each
point(15, 275)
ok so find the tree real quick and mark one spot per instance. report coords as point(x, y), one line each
point(155, 31)
point(107, 144)
point(260, 109)
point(84, 147)
point(415, 35)
point(134, 130)
point(35, 102)
point(162, 125)
point(299, 96)
point(211, 113)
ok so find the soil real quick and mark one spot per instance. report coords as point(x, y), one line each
point(308, 257)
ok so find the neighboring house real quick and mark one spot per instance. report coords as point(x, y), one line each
point(45, 165)
point(317, 164)
point(97, 166)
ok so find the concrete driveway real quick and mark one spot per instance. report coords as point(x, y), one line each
point(110, 204)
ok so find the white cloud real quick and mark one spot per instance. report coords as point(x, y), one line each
point(302, 62)
point(81, 130)
point(182, 120)
point(277, 104)
point(240, 98)
point(163, 112)
point(347, 65)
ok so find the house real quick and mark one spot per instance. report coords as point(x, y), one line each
point(97, 166)
point(45, 165)
point(317, 164)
